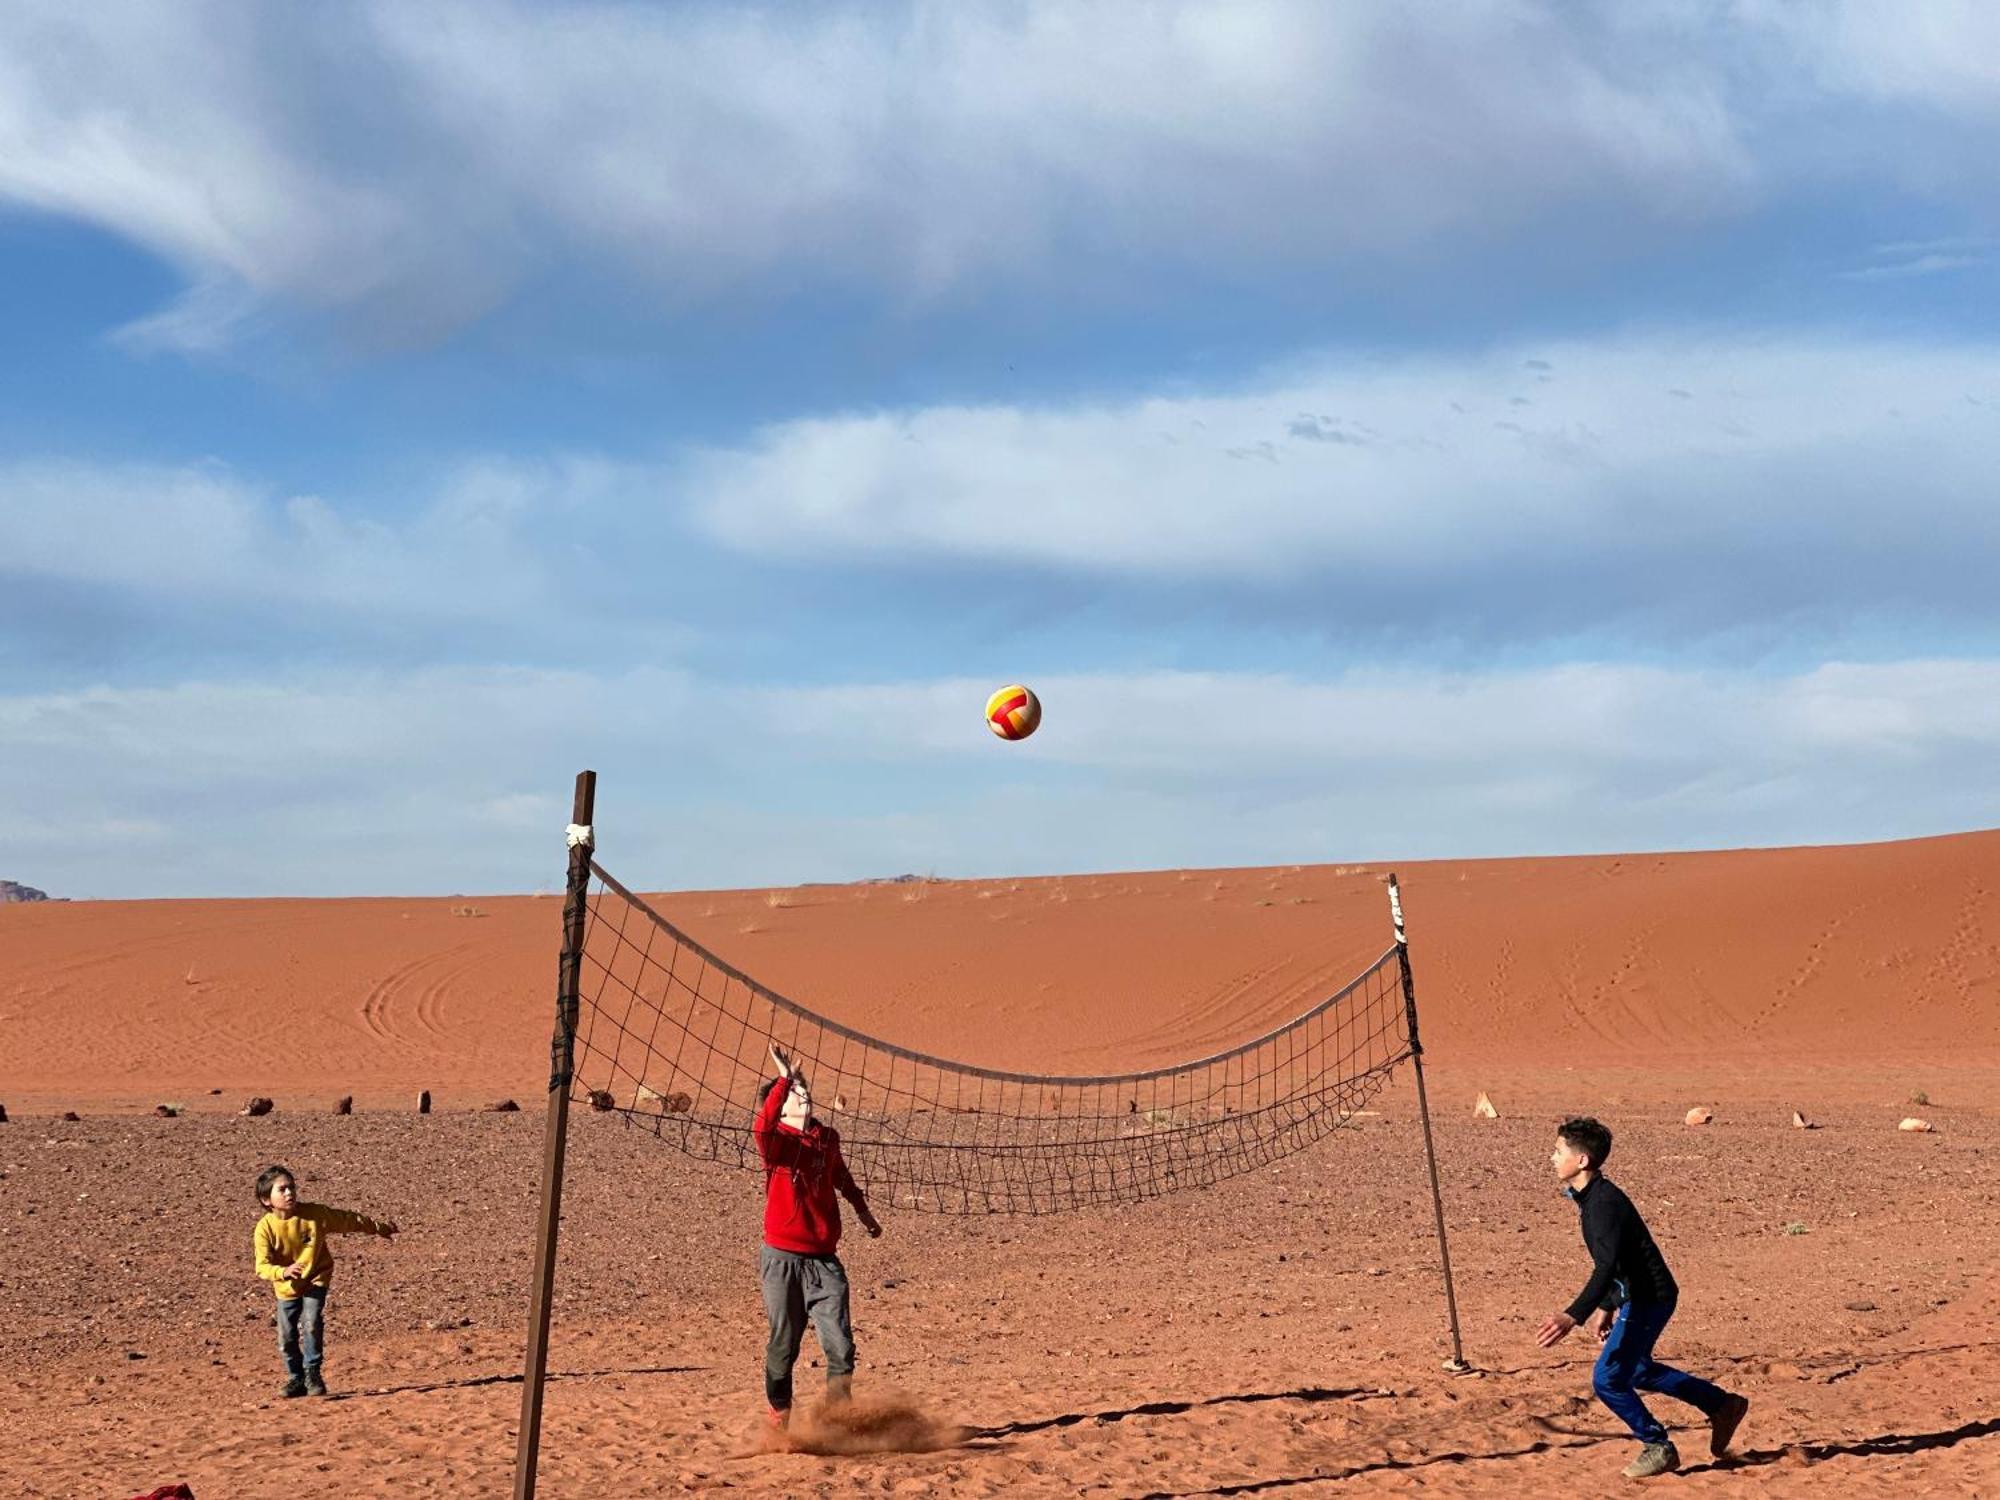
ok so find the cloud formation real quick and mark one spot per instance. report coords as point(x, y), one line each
point(1710, 481)
point(400, 169)
point(456, 779)
point(1656, 490)
point(481, 548)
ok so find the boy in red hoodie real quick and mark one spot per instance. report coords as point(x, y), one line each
point(802, 1276)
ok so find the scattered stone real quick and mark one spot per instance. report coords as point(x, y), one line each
point(1860, 1306)
point(188, 978)
point(257, 1106)
point(1700, 1116)
point(1800, 1122)
point(840, 1104)
point(72, 1117)
point(213, 1092)
point(601, 1100)
point(678, 1104)
point(1482, 1109)
point(344, 1105)
point(1922, 1127)
point(424, 1102)
point(3, 1114)
point(167, 1111)
point(11, 891)
point(643, 1096)
point(503, 1107)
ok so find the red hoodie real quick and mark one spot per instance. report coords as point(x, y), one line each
point(802, 1171)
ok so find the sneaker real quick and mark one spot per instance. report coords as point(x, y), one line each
point(314, 1385)
point(1722, 1426)
point(296, 1386)
point(1654, 1458)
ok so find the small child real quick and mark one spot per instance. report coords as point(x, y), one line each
point(1626, 1303)
point(292, 1254)
point(802, 1276)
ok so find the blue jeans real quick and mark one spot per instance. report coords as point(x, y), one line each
point(301, 1320)
point(1627, 1367)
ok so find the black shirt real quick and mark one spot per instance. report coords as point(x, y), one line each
point(1621, 1250)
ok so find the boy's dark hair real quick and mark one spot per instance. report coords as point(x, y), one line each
point(764, 1094)
point(1589, 1136)
point(268, 1179)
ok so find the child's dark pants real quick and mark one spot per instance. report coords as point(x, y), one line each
point(1626, 1367)
point(797, 1287)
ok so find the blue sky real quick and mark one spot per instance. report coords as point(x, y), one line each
point(1377, 431)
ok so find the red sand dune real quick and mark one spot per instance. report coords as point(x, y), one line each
point(1824, 955)
point(1278, 1334)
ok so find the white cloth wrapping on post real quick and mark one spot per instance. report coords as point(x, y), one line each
point(580, 834)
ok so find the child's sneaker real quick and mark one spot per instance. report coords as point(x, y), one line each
point(296, 1386)
point(1722, 1426)
point(1654, 1459)
point(314, 1385)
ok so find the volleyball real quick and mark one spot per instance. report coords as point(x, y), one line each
point(1013, 712)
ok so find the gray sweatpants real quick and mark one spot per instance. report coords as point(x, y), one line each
point(797, 1287)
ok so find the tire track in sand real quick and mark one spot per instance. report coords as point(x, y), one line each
point(406, 1006)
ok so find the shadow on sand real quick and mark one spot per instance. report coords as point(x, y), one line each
point(473, 1381)
point(1175, 1408)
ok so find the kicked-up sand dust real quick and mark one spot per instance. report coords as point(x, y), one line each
point(863, 1424)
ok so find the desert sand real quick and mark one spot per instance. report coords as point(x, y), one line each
point(1279, 1334)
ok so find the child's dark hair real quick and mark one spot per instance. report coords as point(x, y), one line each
point(1589, 1136)
point(268, 1179)
point(764, 1094)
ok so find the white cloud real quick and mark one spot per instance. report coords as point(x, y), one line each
point(1920, 265)
point(405, 165)
point(457, 780)
point(1667, 487)
point(1747, 478)
point(472, 547)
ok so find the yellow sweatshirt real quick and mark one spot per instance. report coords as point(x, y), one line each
point(301, 1240)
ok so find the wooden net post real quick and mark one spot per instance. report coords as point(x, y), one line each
point(555, 1134)
point(1456, 1364)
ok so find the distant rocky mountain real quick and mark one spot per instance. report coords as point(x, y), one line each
point(10, 891)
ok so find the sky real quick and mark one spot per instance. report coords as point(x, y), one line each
point(1376, 431)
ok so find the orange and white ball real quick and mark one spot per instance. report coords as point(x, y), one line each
point(1013, 712)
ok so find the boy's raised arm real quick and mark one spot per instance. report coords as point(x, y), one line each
point(347, 1221)
point(764, 1129)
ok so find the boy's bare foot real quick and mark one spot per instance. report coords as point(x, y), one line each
point(296, 1386)
point(1654, 1459)
point(779, 1417)
point(1722, 1426)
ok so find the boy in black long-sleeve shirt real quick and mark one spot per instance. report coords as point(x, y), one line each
point(1627, 1302)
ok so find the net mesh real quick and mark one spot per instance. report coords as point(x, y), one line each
point(677, 1041)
